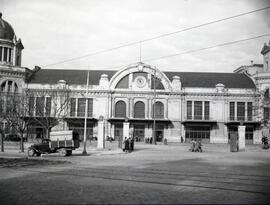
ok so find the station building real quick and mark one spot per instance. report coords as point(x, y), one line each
point(187, 105)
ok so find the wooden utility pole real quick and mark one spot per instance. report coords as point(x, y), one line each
point(85, 116)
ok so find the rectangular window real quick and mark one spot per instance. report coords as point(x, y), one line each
point(48, 106)
point(40, 106)
point(31, 106)
point(81, 107)
point(9, 86)
point(206, 110)
point(249, 111)
point(198, 110)
point(5, 53)
point(232, 111)
point(189, 110)
point(1, 105)
point(266, 113)
point(1, 48)
point(73, 107)
point(9, 57)
point(90, 107)
point(240, 111)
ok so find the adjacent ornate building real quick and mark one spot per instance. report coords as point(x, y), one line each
point(206, 106)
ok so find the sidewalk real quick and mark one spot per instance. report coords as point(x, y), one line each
point(112, 148)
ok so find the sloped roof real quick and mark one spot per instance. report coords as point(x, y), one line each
point(209, 80)
point(72, 77)
point(188, 79)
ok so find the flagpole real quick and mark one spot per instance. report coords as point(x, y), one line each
point(85, 115)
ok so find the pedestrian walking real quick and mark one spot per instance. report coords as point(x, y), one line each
point(198, 146)
point(192, 145)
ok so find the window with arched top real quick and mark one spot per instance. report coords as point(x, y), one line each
point(9, 86)
point(139, 110)
point(120, 109)
point(158, 109)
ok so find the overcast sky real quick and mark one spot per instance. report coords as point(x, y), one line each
point(56, 30)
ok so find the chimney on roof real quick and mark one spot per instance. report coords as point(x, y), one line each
point(0, 15)
point(251, 62)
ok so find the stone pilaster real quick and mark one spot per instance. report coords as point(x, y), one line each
point(241, 138)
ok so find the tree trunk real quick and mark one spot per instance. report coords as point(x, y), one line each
point(2, 141)
point(22, 144)
point(48, 133)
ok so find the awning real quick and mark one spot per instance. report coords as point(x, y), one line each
point(78, 122)
point(237, 123)
point(138, 120)
point(211, 122)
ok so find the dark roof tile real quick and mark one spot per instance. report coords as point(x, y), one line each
point(209, 80)
point(72, 77)
point(188, 79)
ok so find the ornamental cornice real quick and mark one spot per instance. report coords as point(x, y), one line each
point(12, 73)
point(226, 95)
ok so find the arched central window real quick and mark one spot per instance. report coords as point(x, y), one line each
point(120, 109)
point(159, 110)
point(139, 110)
point(9, 86)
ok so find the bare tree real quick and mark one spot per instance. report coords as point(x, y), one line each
point(15, 108)
point(48, 107)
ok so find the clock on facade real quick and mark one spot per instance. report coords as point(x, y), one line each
point(140, 81)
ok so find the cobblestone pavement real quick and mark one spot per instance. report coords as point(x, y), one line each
point(149, 175)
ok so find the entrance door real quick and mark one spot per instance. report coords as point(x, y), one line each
point(198, 132)
point(138, 132)
point(159, 135)
point(118, 134)
point(159, 132)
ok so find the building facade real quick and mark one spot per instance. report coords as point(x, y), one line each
point(140, 99)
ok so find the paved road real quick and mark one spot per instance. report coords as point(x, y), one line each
point(150, 175)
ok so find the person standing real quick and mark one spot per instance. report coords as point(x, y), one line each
point(126, 142)
point(265, 136)
point(131, 144)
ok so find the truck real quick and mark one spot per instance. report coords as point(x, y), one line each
point(60, 141)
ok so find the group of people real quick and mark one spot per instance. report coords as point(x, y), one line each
point(148, 140)
point(128, 145)
point(196, 146)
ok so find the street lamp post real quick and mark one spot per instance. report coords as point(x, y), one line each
point(154, 110)
point(85, 116)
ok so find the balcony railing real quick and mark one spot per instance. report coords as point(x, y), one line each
point(198, 117)
point(241, 118)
